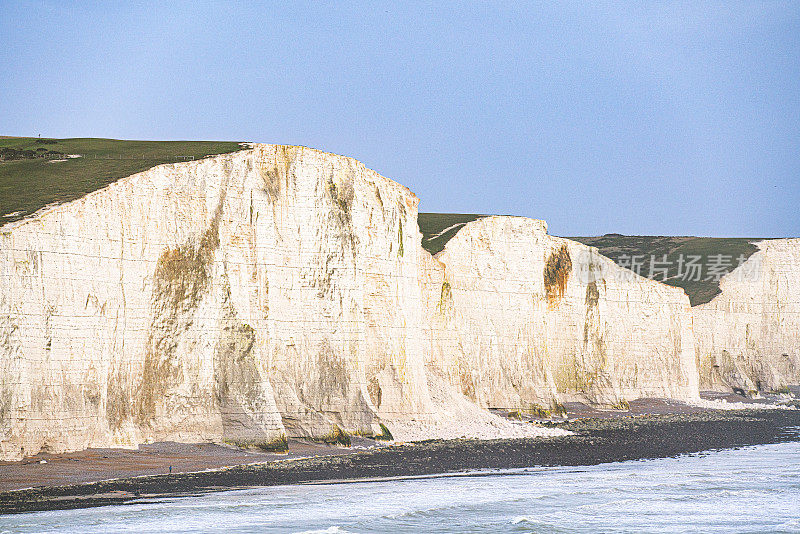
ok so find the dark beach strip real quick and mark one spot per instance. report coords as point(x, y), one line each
point(595, 441)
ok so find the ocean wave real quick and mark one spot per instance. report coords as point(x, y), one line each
point(789, 526)
point(527, 519)
point(528, 522)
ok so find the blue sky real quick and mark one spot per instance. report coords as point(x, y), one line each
point(638, 118)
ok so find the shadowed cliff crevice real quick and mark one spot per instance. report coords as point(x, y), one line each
point(599, 387)
point(247, 408)
point(342, 195)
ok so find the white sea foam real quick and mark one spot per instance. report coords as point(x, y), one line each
point(330, 530)
point(717, 404)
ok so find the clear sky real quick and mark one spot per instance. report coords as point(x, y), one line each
point(638, 118)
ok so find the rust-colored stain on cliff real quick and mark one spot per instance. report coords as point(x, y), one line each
point(556, 274)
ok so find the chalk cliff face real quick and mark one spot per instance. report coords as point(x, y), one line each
point(523, 320)
point(748, 337)
point(121, 319)
point(235, 299)
point(282, 291)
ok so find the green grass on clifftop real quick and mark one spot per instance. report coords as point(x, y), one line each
point(31, 177)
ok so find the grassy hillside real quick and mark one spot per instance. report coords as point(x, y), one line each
point(36, 172)
point(687, 258)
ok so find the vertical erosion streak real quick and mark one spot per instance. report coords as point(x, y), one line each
point(181, 279)
point(118, 401)
point(556, 274)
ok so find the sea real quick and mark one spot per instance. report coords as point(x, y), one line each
point(751, 489)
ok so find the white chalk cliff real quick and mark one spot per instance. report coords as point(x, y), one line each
point(526, 321)
point(748, 337)
point(236, 299)
point(282, 291)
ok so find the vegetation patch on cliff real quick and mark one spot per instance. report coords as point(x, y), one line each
point(592, 294)
point(337, 436)
point(400, 247)
point(279, 444)
point(182, 273)
point(445, 297)
point(342, 194)
point(385, 435)
point(573, 375)
point(537, 411)
point(374, 391)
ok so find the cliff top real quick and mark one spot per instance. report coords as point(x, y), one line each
point(633, 252)
point(36, 172)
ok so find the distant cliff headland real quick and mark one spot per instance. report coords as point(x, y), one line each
point(247, 294)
